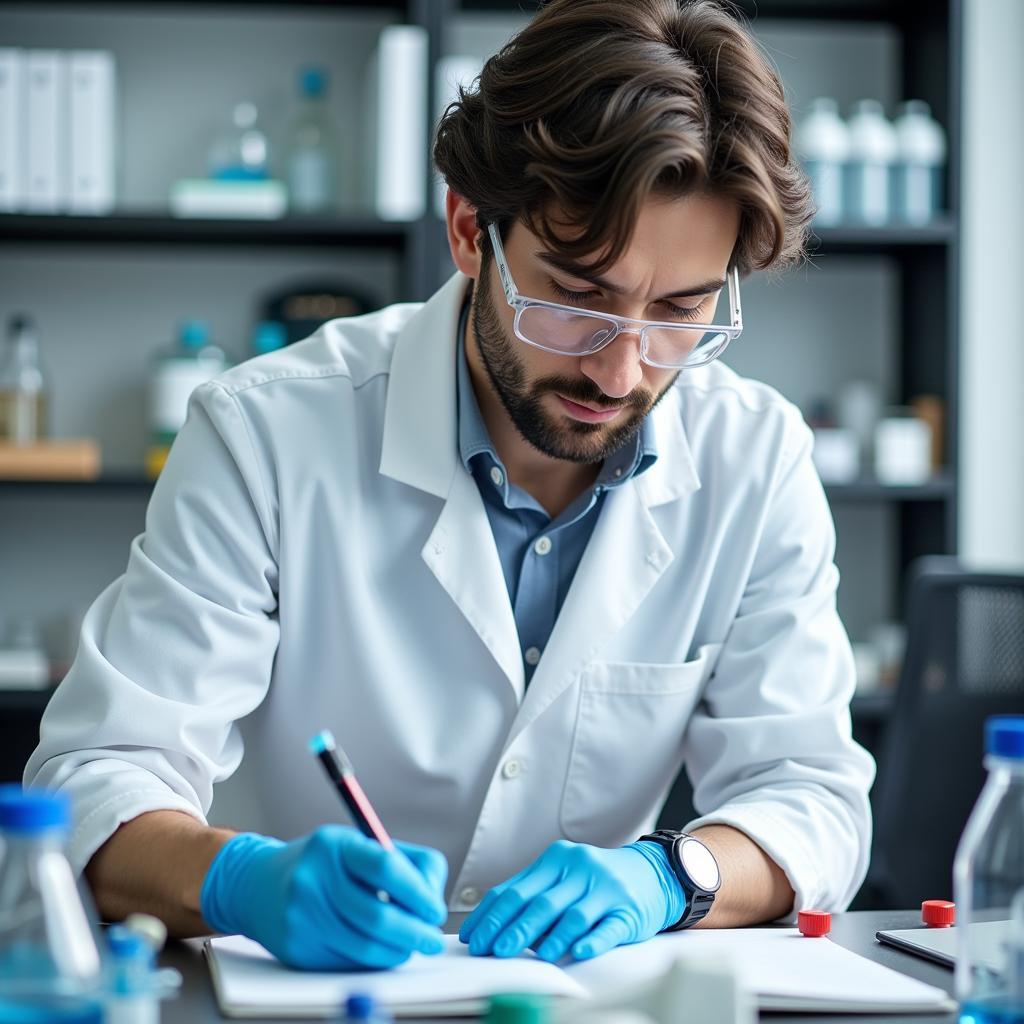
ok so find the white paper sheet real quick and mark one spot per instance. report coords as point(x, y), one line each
point(782, 968)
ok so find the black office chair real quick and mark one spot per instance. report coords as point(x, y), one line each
point(964, 662)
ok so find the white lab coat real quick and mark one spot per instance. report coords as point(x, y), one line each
point(316, 556)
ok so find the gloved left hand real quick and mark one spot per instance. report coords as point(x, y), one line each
point(578, 899)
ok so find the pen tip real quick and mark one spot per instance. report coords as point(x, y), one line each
point(323, 740)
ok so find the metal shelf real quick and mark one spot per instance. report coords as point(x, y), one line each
point(160, 228)
point(890, 238)
point(939, 488)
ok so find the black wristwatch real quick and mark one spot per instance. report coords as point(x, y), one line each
point(695, 867)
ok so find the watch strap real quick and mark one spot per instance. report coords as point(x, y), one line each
point(698, 901)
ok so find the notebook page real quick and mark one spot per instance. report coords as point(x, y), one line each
point(779, 965)
point(247, 976)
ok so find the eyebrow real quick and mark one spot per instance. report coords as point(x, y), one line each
point(568, 266)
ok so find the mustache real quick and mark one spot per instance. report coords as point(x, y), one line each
point(587, 391)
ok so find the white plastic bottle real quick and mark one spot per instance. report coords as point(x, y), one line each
point(50, 969)
point(921, 157)
point(823, 144)
point(988, 885)
point(872, 153)
point(177, 372)
point(313, 147)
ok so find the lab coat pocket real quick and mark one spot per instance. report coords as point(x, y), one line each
point(627, 745)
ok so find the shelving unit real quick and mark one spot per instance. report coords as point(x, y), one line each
point(922, 262)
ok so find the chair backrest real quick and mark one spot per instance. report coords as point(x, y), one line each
point(964, 662)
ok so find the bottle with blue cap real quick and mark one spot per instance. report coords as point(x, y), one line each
point(988, 882)
point(50, 967)
point(362, 1008)
point(313, 152)
point(178, 370)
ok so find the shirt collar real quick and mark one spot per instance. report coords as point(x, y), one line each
point(636, 456)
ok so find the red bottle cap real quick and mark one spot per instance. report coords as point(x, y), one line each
point(938, 913)
point(814, 923)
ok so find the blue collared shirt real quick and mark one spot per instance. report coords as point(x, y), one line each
point(539, 555)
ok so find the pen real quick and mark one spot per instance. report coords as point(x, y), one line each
point(339, 771)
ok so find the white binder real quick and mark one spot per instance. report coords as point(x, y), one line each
point(45, 132)
point(397, 107)
point(11, 151)
point(91, 87)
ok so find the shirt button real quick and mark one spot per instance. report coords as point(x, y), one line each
point(532, 655)
point(510, 769)
point(470, 894)
point(497, 476)
point(542, 546)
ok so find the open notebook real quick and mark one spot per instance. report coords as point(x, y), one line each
point(785, 970)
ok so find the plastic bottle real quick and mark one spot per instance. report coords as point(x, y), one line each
point(132, 993)
point(50, 966)
point(921, 157)
point(988, 879)
point(178, 371)
point(363, 1009)
point(23, 385)
point(872, 153)
point(823, 143)
point(313, 147)
point(242, 153)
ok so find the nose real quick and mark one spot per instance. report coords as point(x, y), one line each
point(616, 369)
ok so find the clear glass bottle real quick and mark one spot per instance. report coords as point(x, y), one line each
point(50, 968)
point(23, 385)
point(312, 147)
point(242, 153)
point(988, 883)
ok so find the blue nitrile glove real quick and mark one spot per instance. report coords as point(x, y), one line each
point(578, 899)
point(314, 902)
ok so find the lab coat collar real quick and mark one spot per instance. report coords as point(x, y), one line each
point(420, 443)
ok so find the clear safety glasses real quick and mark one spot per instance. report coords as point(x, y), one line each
point(570, 331)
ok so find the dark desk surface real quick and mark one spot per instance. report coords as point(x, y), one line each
point(196, 1004)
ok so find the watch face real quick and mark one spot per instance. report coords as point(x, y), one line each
point(700, 864)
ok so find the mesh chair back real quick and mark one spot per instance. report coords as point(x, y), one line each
point(964, 662)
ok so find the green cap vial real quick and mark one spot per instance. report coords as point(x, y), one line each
point(518, 1009)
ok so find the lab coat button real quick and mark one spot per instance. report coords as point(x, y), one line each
point(470, 894)
point(531, 655)
point(542, 545)
point(510, 769)
point(497, 476)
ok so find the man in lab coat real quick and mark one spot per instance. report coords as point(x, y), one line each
point(527, 549)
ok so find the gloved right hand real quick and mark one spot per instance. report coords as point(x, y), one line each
point(314, 902)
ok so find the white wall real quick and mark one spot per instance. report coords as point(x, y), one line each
point(992, 285)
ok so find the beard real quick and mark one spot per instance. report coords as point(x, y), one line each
point(559, 437)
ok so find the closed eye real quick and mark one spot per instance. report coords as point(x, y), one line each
point(582, 299)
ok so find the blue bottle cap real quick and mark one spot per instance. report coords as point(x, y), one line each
point(193, 334)
point(312, 81)
point(360, 1006)
point(32, 810)
point(125, 944)
point(268, 337)
point(1004, 736)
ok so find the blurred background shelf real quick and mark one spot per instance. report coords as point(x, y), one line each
point(162, 229)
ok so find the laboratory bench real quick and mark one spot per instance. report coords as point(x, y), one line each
point(195, 1004)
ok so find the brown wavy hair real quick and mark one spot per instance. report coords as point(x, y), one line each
point(598, 105)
